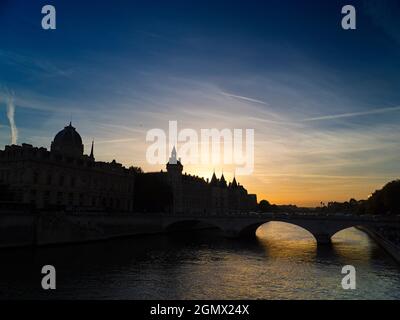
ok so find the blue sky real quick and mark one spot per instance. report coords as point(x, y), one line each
point(324, 102)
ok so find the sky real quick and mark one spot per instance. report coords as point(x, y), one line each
point(324, 102)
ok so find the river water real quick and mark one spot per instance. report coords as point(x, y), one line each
point(282, 263)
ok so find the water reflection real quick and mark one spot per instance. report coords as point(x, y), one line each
point(284, 262)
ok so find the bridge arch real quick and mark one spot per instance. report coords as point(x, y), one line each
point(250, 229)
point(321, 229)
point(346, 227)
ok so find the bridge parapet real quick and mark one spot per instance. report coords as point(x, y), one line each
point(321, 227)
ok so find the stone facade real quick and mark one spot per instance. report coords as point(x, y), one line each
point(193, 195)
point(65, 177)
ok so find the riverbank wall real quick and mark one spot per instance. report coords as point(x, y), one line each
point(27, 229)
point(23, 229)
point(387, 245)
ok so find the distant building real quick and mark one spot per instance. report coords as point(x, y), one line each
point(192, 195)
point(65, 177)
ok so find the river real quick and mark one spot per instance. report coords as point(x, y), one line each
point(283, 262)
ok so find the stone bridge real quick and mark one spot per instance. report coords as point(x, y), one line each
point(322, 227)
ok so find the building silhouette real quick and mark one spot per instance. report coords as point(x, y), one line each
point(192, 195)
point(65, 177)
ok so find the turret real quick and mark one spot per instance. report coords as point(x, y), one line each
point(174, 165)
point(214, 180)
point(222, 181)
point(91, 151)
point(234, 183)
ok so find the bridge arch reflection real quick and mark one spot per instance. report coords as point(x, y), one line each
point(252, 229)
point(338, 233)
point(321, 227)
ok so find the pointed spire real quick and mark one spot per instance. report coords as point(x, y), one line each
point(214, 179)
point(222, 180)
point(234, 183)
point(222, 177)
point(91, 151)
point(172, 159)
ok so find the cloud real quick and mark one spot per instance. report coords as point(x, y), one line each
point(34, 66)
point(354, 114)
point(11, 118)
point(243, 98)
point(9, 99)
point(113, 141)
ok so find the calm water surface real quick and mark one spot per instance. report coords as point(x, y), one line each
point(282, 263)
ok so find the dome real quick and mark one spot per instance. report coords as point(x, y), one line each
point(68, 141)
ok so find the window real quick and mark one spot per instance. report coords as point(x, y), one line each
point(46, 198)
point(33, 197)
point(59, 198)
point(35, 177)
point(72, 182)
point(71, 198)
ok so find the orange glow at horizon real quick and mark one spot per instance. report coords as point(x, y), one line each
point(294, 163)
point(300, 191)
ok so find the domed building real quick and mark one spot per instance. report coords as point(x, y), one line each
point(65, 177)
point(68, 142)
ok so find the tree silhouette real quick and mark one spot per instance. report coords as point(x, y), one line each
point(264, 206)
point(385, 200)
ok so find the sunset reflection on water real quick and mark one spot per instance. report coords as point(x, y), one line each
point(282, 262)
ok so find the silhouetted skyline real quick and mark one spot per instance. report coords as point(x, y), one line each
point(324, 102)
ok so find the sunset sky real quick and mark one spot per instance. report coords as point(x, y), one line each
point(324, 102)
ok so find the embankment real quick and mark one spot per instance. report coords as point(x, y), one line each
point(387, 245)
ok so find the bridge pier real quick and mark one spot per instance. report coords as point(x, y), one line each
point(321, 227)
point(231, 234)
point(323, 239)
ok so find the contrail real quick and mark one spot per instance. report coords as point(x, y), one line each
point(243, 98)
point(354, 114)
point(11, 119)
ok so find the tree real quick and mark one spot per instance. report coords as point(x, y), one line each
point(136, 170)
point(264, 206)
point(385, 200)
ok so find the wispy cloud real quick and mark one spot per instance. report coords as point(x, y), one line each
point(11, 118)
point(354, 114)
point(248, 99)
point(34, 65)
point(117, 140)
